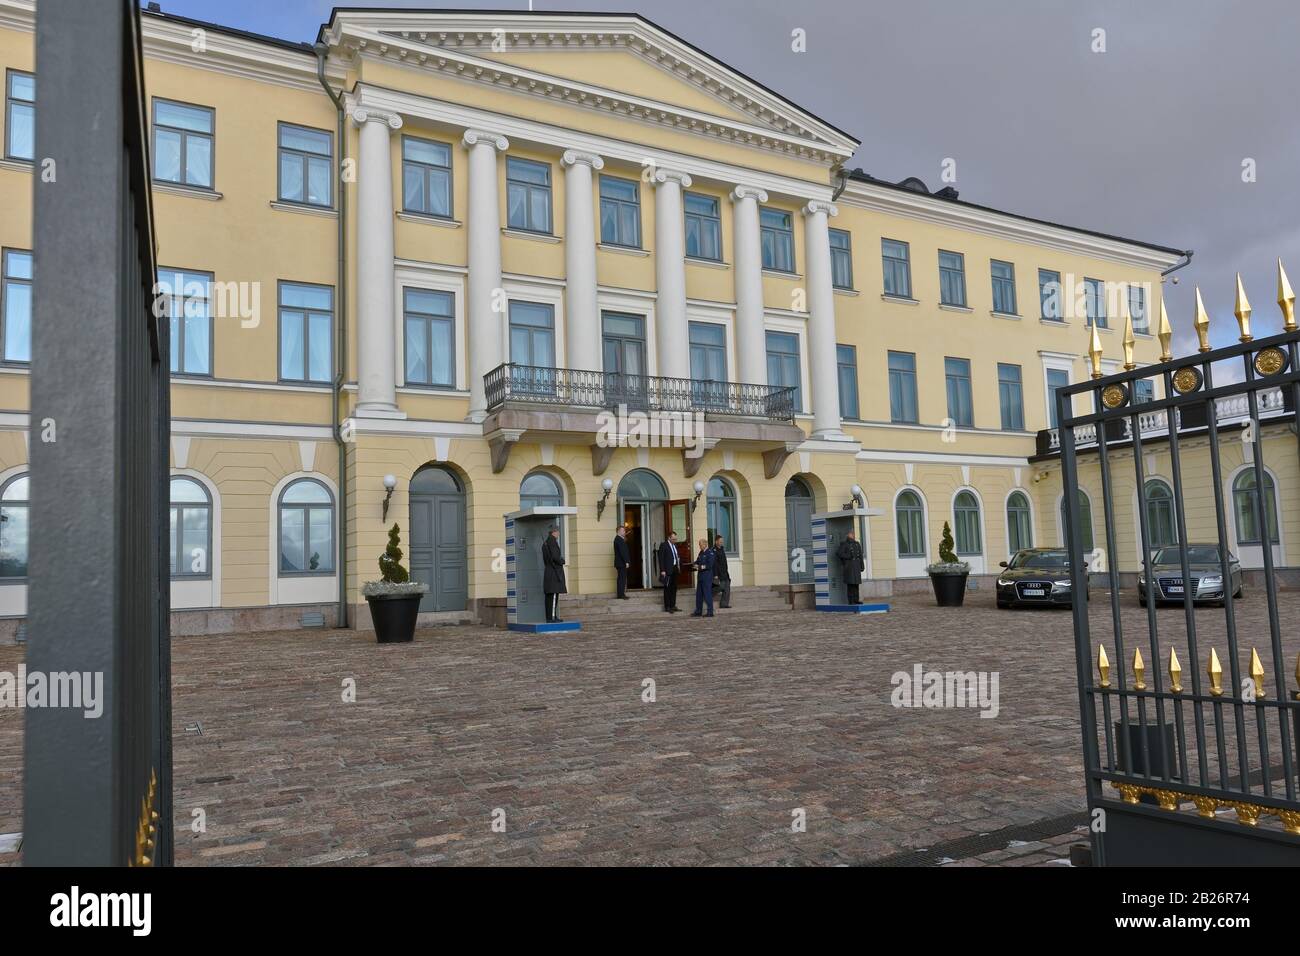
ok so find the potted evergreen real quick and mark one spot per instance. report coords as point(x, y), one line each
point(394, 599)
point(948, 575)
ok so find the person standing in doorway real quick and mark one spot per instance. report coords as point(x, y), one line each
point(553, 583)
point(704, 580)
point(721, 573)
point(622, 558)
point(670, 565)
point(850, 554)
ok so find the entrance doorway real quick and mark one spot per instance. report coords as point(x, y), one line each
point(648, 514)
point(798, 530)
point(437, 539)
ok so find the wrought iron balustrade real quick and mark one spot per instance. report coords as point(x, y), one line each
point(580, 388)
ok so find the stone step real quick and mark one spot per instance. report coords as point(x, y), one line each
point(649, 604)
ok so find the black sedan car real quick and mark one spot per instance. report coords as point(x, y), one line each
point(1036, 576)
point(1205, 566)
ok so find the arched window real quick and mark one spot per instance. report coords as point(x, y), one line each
point(1085, 521)
point(540, 490)
point(642, 485)
point(191, 529)
point(1162, 529)
point(909, 514)
point(1245, 508)
point(722, 513)
point(966, 521)
point(797, 488)
point(13, 528)
point(1020, 524)
point(306, 528)
point(432, 480)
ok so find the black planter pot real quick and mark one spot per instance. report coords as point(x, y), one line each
point(949, 589)
point(394, 616)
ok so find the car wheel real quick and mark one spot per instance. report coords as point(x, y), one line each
point(1142, 602)
point(1237, 596)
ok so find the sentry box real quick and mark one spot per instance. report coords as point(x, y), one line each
point(829, 529)
point(525, 600)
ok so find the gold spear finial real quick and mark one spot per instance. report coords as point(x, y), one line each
point(1175, 672)
point(1241, 309)
point(1094, 350)
point(1285, 298)
point(1202, 323)
point(1139, 669)
point(1257, 674)
point(1129, 342)
point(1165, 334)
point(1103, 666)
point(1215, 671)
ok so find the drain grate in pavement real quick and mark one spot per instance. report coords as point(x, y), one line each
point(966, 847)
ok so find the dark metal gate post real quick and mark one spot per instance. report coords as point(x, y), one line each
point(97, 789)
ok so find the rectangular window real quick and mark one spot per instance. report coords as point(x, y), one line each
point(306, 332)
point(1004, 286)
point(703, 227)
point(1094, 301)
point(528, 195)
point(841, 259)
point(1057, 378)
point(532, 346)
point(1049, 295)
point(960, 405)
point(620, 212)
point(902, 387)
point(896, 263)
point(846, 357)
point(426, 177)
point(16, 305)
point(306, 165)
point(708, 344)
point(1137, 307)
point(783, 364)
point(776, 232)
point(186, 295)
point(1011, 398)
point(429, 337)
point(1144, 390)
point(182, 143)
point(20, 115)
point(952, 278)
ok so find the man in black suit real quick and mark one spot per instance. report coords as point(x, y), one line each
point(850, 554)
point(670, 565)
point(721, 573)
point(553, 583)
point(622, 558)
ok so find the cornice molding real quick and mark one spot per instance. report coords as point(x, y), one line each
point(896, 202)
point(468, 33)
point(561, 138)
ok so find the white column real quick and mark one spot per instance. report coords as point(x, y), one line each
point(376, 345)
point(672, 338)
point(486, 297)
point(751, 337)
point(581, 317)
point(821, 321)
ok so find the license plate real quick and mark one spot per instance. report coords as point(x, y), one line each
point(1033, 592)
point(1175, 589)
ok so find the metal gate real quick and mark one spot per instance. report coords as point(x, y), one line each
point(1189, 726)
point(97, 776)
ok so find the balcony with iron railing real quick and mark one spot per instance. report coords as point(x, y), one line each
point(1230, 410)
point(535, 386)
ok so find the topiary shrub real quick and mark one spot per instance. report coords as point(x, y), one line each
point(390, 562)
point(948, 562)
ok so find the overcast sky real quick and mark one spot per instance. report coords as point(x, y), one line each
point(1145, 140)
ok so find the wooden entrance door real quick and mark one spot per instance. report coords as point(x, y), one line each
point(677, 517)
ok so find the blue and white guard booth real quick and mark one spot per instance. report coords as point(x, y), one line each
point(526, 531)
point(829, 529)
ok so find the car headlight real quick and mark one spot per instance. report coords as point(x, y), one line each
point(1061, 585)
point(1212, 581)
point(1004, 583)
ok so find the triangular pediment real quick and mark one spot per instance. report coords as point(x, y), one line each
point(619, 63)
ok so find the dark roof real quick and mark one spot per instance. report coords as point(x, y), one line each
point(612, 14)
point(949, 195)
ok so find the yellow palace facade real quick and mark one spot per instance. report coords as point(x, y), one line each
point(466, 255)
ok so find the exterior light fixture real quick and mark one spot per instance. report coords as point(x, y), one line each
point(699, 490)
point(607, 486)
point(390, 482)
point(859, 498)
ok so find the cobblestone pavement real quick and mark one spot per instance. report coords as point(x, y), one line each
point(756, 716)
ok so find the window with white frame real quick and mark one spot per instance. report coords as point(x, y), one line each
point(14, 528)
point(183, 143)
point(190, 530)
point(306, 511)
